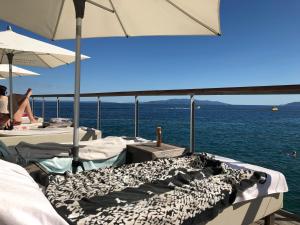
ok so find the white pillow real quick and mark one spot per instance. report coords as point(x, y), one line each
point(21, 200)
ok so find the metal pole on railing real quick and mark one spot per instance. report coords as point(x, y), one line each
point(98, 113)
point(136, 117)
point(43, 108)
point(192, 124)
point(57, 107)
point(32, 105)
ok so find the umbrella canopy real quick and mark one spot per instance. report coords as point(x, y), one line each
point(107, 18)
point(21, 50)
point(31, 52)
point(110, 18)
point(16, 71)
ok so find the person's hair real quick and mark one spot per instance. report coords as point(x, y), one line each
point(2, 90)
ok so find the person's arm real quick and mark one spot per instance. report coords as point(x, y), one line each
point(7, 124)
point(4, 120)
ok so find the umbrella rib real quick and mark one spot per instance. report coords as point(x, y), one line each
point(100, 6)
point(119, 19)
point(18, 52)
point(40, 54)
point(5, 53)
point(58, 19)
point(43, 61)
point(2, 57)
point(193, 18)
point(60, 59)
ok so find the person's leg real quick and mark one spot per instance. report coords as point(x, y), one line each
point(20, 110)
point(23, 105)
point(29, 113)
point(17, 100)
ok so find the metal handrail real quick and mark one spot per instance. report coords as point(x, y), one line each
point(250, 90)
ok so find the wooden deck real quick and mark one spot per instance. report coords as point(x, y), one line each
point(283, 218)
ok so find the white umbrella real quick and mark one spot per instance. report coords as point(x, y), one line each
point(32, 52)
point(16, 71)
point(109, 18)
point(21, 50)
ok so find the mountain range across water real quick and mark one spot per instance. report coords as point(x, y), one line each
point(186, 101)
point(183, 101)
point(206, 102)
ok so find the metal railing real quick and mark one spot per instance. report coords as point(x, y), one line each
point(252, 90)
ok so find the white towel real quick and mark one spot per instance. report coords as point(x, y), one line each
point(275, 183)
point(102, 148)
point(99, 149)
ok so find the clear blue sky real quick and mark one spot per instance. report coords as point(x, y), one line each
point(260, 45)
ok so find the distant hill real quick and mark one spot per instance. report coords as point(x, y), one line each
point(186, 101)
point(293, 104)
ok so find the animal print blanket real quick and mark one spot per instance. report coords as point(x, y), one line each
point(185, 190)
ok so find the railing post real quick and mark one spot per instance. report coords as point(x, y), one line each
point(32, 105)
point(136, 117)
point(57, 107)
point(43, 108)
point(192, 124)
point(98, 113)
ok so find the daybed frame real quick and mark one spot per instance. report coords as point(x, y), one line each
point(245, 213)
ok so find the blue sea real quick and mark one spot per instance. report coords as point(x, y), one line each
point(253, 134)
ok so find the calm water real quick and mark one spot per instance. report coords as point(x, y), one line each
point(253, 134)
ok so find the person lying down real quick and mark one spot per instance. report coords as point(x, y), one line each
point(21, 105)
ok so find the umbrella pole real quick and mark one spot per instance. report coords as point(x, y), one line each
point(79, 9)
point(10, 57)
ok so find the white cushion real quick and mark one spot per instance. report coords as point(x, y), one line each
point(22, 202)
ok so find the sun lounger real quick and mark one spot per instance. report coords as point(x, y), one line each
point(95, 154)
point(40, 135)
point(243, 212)
point(56, 157)
point(145, 192)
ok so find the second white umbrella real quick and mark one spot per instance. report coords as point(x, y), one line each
point(17, 49)
point(16, 71)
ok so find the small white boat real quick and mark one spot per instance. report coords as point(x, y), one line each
point(274, 109)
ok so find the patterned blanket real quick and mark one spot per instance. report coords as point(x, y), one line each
point(185, 190)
